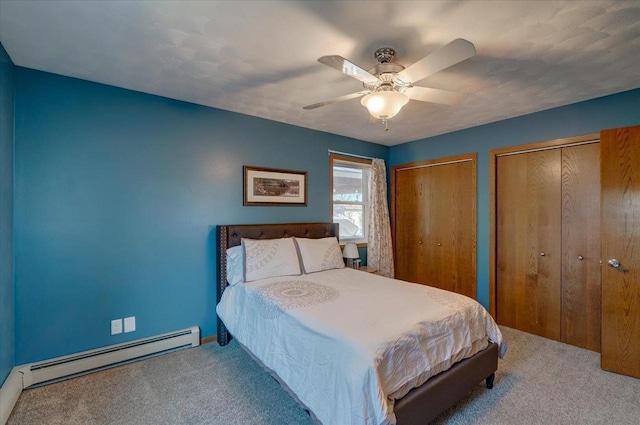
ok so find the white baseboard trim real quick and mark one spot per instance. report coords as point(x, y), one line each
point(9, 393)
point(24, 376)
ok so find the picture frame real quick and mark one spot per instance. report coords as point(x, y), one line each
point(274, 187)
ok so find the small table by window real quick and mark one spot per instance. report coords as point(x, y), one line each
point(368, 269)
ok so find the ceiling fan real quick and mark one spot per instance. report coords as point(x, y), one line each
point(389, 86)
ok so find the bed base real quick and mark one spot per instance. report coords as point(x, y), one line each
point(426, 402)
point(420, 405)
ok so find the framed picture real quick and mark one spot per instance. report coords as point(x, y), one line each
point(269, 186)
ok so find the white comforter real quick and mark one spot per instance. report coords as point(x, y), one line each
point(348, 343)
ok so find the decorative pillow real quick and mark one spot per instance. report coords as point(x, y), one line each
point(320, 254)
point(235, 265)
point(269, 258)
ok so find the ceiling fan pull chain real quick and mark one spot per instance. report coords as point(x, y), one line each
point(386, 127)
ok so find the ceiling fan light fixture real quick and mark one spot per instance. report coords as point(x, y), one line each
point(384, 104)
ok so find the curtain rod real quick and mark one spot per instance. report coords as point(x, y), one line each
point(349, 154)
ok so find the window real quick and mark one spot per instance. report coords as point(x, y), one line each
point(350, 197)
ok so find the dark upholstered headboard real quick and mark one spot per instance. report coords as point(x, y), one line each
point(231, 235)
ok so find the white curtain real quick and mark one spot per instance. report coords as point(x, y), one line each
point(379, 249)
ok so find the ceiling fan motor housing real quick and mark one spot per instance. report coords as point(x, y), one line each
point(385, 70)
point(385, 73)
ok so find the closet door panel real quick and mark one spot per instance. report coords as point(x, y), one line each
point(620, 174)
point(528, 244)
point(581, 290)
point(411, 222)
point(464, 241)
point(452, 229)
point(511, 267)
point(441, 270)
point(545, 191)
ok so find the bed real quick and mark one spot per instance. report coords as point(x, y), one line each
point(418, 404)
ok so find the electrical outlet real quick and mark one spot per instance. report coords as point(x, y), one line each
point(116, 326)
point(130, 324)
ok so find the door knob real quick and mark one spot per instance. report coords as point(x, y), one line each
point(613, 263)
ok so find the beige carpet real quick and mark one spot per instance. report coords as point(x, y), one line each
point(539, 382)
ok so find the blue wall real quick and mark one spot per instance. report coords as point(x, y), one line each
point(618, 110)
point(6, 215)
point(116, 196)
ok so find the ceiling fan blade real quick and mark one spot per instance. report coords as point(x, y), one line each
point(337, 99)
point(426, 94)
point(446, 56)
point(349, 68)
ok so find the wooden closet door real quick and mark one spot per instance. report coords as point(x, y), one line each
point(434, 206)
point(412, 197)
point(451, 242)
point(580, 325)
point(528, 215)
point(620, 175)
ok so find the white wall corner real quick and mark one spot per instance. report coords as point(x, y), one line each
point(11, 389)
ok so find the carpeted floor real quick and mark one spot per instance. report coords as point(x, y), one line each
point(539, 382)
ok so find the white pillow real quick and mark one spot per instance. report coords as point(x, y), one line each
point(235, 265)
point(269, 258)
point(320, 254)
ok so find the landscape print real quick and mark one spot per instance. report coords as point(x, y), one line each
point(272, 187)
point(276, 187)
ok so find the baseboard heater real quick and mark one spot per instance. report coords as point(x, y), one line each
point(41, 373)
point(92, 360)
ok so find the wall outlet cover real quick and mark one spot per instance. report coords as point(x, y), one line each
point(116, 326)
point(130, 324)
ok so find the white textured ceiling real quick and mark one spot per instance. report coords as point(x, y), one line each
point(259, 57)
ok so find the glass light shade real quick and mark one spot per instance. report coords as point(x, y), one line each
point(350, 250)
point(384, 104)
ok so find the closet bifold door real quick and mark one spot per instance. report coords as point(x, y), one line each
point(546, 272)
point(451, 241)
point(620, 175)
point(411, 210)
point(580, 325)
point(528, 257)
point(434, 223)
